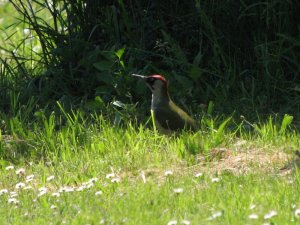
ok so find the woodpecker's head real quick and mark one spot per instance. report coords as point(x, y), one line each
point(157, 83)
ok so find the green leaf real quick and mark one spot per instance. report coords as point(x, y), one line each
point(120, 53)
point(219, 136)
point(105, 77)
point(122, 63)
point(222, 126)
point(99, 100)
point(210, 107)
point(286, 121)
point(198, 58)
point(103, 65)
point(95, 104)
point(195, 72)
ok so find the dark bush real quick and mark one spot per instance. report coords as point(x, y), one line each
point(242, 55)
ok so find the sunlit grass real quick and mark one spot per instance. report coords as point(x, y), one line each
point(159, 201)
point(87, 171)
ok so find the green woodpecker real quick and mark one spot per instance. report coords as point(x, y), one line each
point(168, 117)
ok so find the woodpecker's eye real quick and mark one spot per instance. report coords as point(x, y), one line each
point(150, 81)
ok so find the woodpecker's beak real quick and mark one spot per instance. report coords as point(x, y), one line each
point(137, 75)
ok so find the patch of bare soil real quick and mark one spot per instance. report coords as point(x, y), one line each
point(247, 160)
point(237, 161)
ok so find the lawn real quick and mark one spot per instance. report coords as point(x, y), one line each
point(61, 166)
point(97, 173)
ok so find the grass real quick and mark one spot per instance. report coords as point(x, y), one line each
point(64, 166)
point(105, 174)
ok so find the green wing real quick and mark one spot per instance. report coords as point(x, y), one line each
point(176, 120)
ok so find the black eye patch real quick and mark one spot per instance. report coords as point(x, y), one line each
point(150, 81)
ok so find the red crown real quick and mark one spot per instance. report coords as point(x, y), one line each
point(160, 77)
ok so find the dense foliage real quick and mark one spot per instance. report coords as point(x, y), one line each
point(241, 55)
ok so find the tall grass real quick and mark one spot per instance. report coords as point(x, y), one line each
point(77, 168)
point(242, 55)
